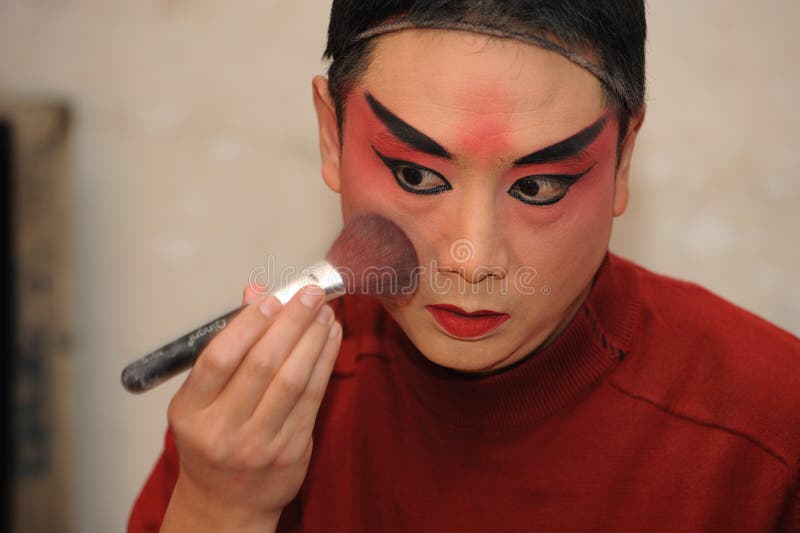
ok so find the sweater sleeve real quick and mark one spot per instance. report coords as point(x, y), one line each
point(151, 505)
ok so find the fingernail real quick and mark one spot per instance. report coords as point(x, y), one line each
point(325, 315)
point(311, 296)
point(270, 306)
point(336, 329)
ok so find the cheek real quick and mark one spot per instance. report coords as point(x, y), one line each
point(584, 215)
point(585, 232)
point(367, 185)
point(591, 200)
point(364, 184)
point(364, 187)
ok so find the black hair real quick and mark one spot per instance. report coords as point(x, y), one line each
point(611, 32)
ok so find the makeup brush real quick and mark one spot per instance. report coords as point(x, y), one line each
point(371, 256)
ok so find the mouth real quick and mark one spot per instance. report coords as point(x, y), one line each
point(462, 324)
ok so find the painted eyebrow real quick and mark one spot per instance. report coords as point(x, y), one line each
point(405, 131)
point(566, 149)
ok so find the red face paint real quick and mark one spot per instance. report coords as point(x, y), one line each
point(486, 136)
point(486, 107)
point(592, 189)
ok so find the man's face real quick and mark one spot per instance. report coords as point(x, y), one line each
point(498, 159)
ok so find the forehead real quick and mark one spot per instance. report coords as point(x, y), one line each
point(464, 88)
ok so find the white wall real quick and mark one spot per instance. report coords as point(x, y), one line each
point(195, 157)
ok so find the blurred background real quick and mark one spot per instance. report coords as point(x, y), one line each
point(156, 152)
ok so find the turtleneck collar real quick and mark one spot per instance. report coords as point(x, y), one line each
point(588, 349)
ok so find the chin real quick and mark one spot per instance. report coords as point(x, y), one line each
point(470, 356)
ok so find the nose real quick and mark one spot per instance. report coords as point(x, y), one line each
point(473, 247)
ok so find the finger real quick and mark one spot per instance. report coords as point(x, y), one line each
point(278, 342)
point(291, 380)
point(218, 361)
point(300, 422)
point(253, 292)
point(244, 391)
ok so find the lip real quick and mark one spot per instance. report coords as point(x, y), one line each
point(462, 324)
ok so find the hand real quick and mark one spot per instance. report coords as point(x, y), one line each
point(243, 419)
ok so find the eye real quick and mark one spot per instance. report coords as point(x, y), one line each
point(415, 178)
point(545, 189)
point(539, 190)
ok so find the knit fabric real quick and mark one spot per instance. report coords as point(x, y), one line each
point(660, 407)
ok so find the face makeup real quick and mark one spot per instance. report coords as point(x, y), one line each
point(505, 149)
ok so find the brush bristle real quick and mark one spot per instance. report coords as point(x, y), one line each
point(375, 257)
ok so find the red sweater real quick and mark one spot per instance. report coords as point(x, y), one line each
point(660, 407)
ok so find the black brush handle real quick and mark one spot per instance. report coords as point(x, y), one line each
point(173, 358)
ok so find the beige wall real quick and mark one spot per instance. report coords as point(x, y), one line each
point(195, 157)
point(716, 183)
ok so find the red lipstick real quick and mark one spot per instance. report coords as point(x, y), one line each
point(464, 324)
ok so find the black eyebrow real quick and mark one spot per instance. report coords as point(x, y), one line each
point(405, 132)
point(567, 148)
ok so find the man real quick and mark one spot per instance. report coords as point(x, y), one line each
point(534, 381)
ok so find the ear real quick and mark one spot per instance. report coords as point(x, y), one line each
point(621, 191)
point(329, 147)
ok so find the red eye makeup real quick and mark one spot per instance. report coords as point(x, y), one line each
point(542, 189)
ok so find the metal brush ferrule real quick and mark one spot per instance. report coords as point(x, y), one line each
point(323, 274)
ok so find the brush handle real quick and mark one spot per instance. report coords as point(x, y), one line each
point(180, 354)
point(173, 358)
